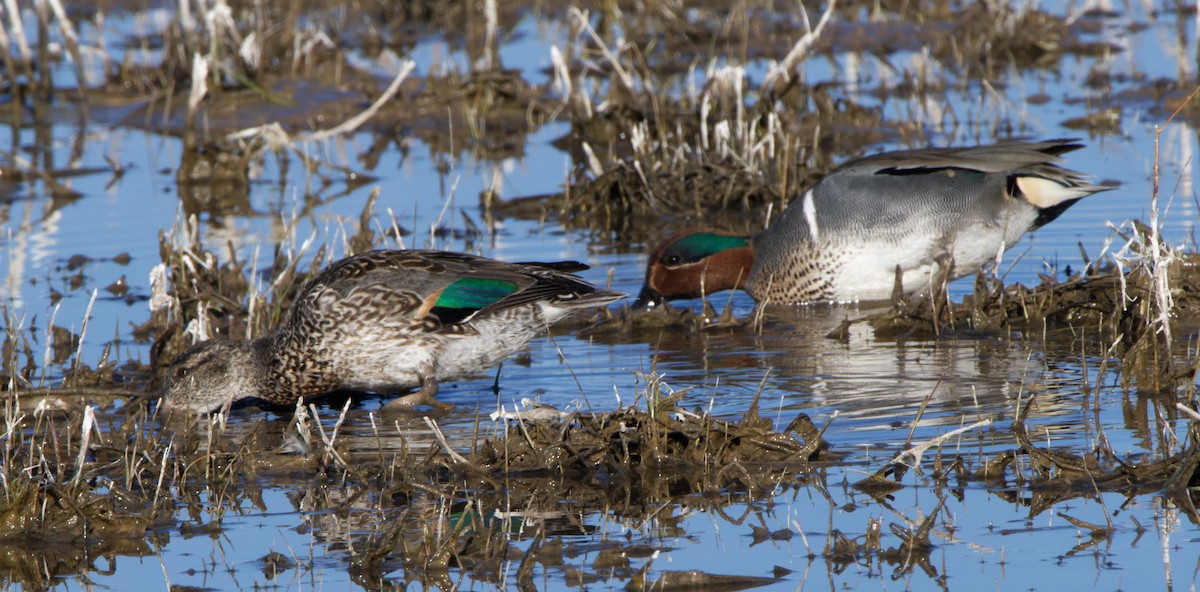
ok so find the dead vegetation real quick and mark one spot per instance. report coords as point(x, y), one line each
point(89, 472)
point(433, 514)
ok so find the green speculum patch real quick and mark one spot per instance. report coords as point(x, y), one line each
point(462, 298)
point(695, 247)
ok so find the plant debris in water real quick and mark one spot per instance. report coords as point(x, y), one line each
point(88, 472)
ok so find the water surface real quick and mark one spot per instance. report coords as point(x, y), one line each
point(987, 535)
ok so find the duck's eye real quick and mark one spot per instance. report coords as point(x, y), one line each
point(673, 260)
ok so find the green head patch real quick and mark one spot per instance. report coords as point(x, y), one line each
point(698, 246)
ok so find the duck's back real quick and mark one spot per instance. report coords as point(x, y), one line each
point(383, 319)
point(844, 237)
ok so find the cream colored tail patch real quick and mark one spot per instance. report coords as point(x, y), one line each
point(1044, 193)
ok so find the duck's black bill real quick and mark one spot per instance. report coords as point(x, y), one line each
point(648, 299)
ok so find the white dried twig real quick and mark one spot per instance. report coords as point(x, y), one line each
point(85, 437)
point(83, 330)
point(1188, 411)
point(919, 449)
point(18, 33)
point(441, 438)
point(199, 83)
point(277, 138)
point(159, 299)
point(626, 80)
point(354, 122)
point(799, 51)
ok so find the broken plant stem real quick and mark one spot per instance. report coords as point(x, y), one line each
point(441, 438)
point(1188, 411)
point(917, 451)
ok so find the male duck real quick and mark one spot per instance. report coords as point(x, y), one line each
point(385, 321)
point(845, 237)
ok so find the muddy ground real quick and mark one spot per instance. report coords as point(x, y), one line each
point(91, 472)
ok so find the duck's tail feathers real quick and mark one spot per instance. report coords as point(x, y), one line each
point(1044, 193)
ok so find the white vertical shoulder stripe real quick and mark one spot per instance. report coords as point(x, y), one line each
point(810, 214)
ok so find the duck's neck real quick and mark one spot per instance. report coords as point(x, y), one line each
point(249, 365)
point(283, 369)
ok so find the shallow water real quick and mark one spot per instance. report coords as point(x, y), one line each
point(868, 390)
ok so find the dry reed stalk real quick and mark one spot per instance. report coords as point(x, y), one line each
point(72, 40)
point(19, 40)
point(799, 51)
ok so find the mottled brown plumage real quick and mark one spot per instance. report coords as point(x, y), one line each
point(385, 321)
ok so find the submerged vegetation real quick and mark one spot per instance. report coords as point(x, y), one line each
point(674, 117)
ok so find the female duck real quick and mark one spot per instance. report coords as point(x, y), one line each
point(385, 321)
point(849, 236)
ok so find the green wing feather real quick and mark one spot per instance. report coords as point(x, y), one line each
point(469, 295)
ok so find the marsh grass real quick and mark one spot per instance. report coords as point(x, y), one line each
point(648, 134)
point(658, 140)
point(492, 509)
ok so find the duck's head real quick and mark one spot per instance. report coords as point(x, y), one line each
point(695, 263)
point(211, 375)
